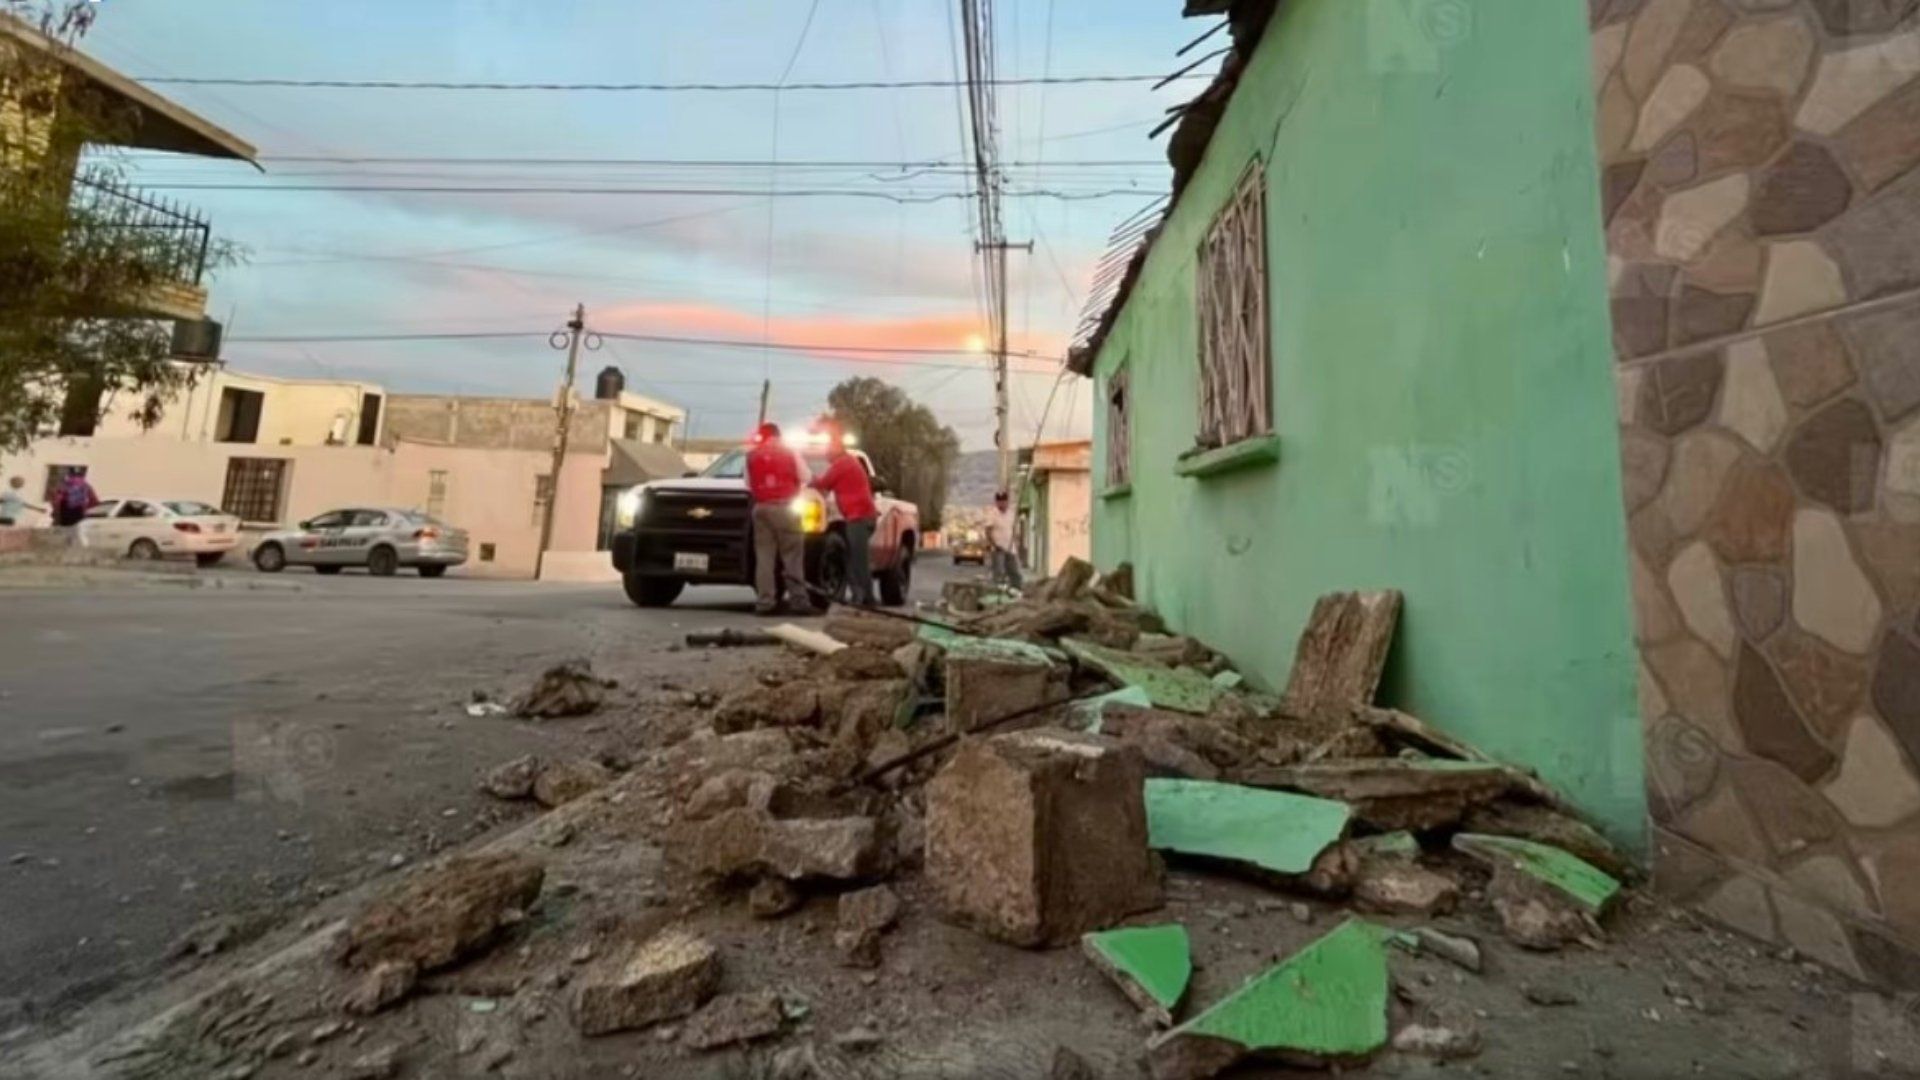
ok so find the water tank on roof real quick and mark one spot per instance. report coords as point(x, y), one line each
point(610, 384)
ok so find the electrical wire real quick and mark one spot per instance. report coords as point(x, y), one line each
point(796, 193)
point(645, 87)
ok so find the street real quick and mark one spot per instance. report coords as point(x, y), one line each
point(169, 756)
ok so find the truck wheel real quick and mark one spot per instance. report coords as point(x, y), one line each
point(833, 569)
point(897, 582)
point(652, 592)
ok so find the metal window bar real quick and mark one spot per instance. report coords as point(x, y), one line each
point(253, 488)
point(1119, 431)
point(177, 236)
point(1231, 300)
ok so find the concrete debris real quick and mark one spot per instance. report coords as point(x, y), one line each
point(731, 1019)
point(444, 914)
point(1545, 825)
point(793, 705)
point(1442, 1043)
point(1402, 887)
point(1039, 836)
point(753, 843)
point(387, 984)
point(865, 915)
point(1456, 949)
point(478, 709)
point(963, 597)
point(800, 637)
point(1179, 689)
point(1070, 583)
point(561, 782)
point(1549, 995)
point(983, 689)
point(1583, 884)
point(855, 627)
point(1341, 653)
point(564, 690)
point(1392, 793)
point(730, 638)
point(859, 664)
point(1270, 830)
point(512, 779)
point(869, 709)
point(668, 977)
point(772, 898)
point(730, 789)
point(858, 1040)
point(1118, 582)
point(1536, 915)
point(1152, 965)
point(381, 1064)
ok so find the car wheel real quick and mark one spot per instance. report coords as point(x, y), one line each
point(209, 558)
point(652, 592)
point(433, 571)
point(833, 569)
point(270, 558)
point(328, 571)
point(144, 549)
point(383, 562)
point(897, 582)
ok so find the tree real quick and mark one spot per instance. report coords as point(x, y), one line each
point(911, 450)
point(71, 257)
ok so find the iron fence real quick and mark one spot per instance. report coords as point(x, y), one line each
point(178, 237)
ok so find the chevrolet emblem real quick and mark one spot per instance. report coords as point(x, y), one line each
point(699, 513)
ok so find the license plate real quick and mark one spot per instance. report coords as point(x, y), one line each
point(696, 563)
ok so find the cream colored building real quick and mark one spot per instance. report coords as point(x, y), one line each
point(1061, 505)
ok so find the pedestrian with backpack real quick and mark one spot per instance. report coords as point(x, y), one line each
point(72, 499)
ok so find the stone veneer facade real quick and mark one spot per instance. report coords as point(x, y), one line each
point(1762, 197)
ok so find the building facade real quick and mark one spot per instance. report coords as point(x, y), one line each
point(1059, 505)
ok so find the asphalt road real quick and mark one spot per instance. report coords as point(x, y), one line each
point(169, 756)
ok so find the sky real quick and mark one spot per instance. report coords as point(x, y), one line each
point(830, 269)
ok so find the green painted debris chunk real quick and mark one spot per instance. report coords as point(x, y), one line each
point(954, 643)
point(1589, 886)
point(1327, 1002)
point(1229, 680)
point(1180, 689)
point(1275, 830)
point(1393, 845)
point(1155, 960)
point(1089, 714)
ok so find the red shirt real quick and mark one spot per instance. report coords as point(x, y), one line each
point(773, 473)
point(847, 481)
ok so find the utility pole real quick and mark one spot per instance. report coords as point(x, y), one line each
point(563, 409)
point(766, 388)
point(1002, 411)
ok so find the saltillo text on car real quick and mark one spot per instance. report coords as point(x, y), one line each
point(159, 528)
point(382, 540)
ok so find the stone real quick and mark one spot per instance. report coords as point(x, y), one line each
point(1720, 823)
point(1690, 219)
point(1800, 192)
point(1039, 836)
point(732, 1019)
point(1676, 163)
point(444, 914)
point(564, 690)
point(387, 984)
point(1831, 880)
point(567, 779)
point(1703, 315)
point(730, 789)
point(870, 709)
point(1696, 683)
point(1878, 242)
point(1617, 183)
point(1401, 887)
point(983, 689)
point(1845, 17)
point(1732, 264)
point(1801, 279)
point(1434, 1041)
point(1650, 43)
point(1832, 598)
point(1886, 548)
point(381, 1064)
point(1705, 23)
point(1694, 579)
point(1769, 55)
point(1883, 343)
point(1835, 456)
point(1893, 862)
point(1759, 600)
point(792, 705)
point(1615, 118)
point(668, 977)
point(1608, 46)
point(1903, 459)
point(1814, 933)
point(1879, 145)
point(1643, 458)
point(1771, 725)
point(1640, 302)
point(1701, 464)
point(1791, 816)
point(752, 843)
point(1752, 520)
point(773, 897)
point(1809, 362)
point(1827, 684)
point(862, 664)
point(1535, 915)
point(1850, 81)
point(1740, 131)
point(865, 915)
point(1679, 392)
point(1655, 618)
point(1741, 903)
point(855, 627)
point(1896, 689)
point(512, 780)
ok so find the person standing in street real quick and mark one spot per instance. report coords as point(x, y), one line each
point(775, 475)
point(847, 481)
point(13, 505)
point(1006, 563)
point(72, 499)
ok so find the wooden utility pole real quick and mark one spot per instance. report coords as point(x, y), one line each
point(563, 409)
point(766, 389)
point(1002, 411)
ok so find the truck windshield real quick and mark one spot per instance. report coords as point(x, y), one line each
point(732, 465)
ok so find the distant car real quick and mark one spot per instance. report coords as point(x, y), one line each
point(970, 547)
point(159, 528)
point(382, 540)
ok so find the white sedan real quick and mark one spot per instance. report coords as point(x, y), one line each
point(158, 528)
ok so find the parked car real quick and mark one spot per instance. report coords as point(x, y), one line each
point(970, 546)
point(158, 528)
point(699, 531)
point(382, 540)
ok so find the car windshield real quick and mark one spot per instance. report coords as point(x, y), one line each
point(189, 508)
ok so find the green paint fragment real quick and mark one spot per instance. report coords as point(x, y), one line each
point(1275, 830)
point(954, 643)
point(1155, 959)
point(1180, 689)
point(1394, 844)
point(1587, 884)
point(1088, 714)
point(1229, 680)
point(1327, 1001)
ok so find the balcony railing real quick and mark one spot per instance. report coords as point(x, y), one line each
point(178, 237)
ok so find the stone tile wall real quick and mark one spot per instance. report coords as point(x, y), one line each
point(1762, 196)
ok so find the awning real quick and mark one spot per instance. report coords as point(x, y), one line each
point(635, 462)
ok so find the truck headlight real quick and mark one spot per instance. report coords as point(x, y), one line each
point(811, 511)
point(627, 507)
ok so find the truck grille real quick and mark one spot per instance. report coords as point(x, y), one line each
point(723, 513)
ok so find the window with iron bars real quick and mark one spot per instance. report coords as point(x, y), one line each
point(254, 487)
point(1231, 304)
point(1119, 430)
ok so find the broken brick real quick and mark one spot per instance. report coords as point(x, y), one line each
point(670, 976)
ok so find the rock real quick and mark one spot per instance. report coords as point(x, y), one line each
point(1072, 580)
point(1535, 915)
point(792, 705)
point(982, 689)
point(858, 1040)
point(730, 789)
point(1549, 995)
point(1460, 951)
point(741, 843)
point(563, 781)
point(444, 914)
point(734, 1018)
point(963, 597)
point(380, 1064)
point(387, 984)
point(774, 897)
point(1039, 836)
point(869, 710)
point(669, 977)
point(1402, 887)
point(865, 915)
point(859, 628)
point(513, 779)
point(1444, 1043)
point(859, 665)
point(564, 690)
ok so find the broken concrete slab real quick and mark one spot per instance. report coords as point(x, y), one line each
point(1180, 689)
point(771, 898)
point(1341, 653)
point(1088, 714)
point(1391, 793)
point(670, 976)
point(443, 914)
point(856, 627)
point(1546, 898)
point(860, 664)
point(512, 779)
point(1272, 830)
point(1072, 580)
point(982, 690)
point(792, 705)
point(1152, 965)
point(1039, 836)
point(1325, 1005)
point(865, 915)
point(731, 1019)
point(1545, 825)
point(568, 689)
point(1581, 881)
point(730, 789)
point(1118, 582)
point(752, 843)
point(1404, 887)
point(867, 710)
point(560, 782)
point(1399, 844)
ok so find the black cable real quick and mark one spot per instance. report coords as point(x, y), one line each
point(406, 84)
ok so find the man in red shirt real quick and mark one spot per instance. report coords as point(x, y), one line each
point(847, 481)
point(775, 475)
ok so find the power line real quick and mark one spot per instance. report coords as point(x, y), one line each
point(654, 87)
point(715, 163)
point(276, 339)
point(798, 193)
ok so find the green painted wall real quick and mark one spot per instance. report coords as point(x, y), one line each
point(1443, 389)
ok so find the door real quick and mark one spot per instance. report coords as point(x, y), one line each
point(137, 520)
point(97, 528)
point(320, 541)
point(361, 533)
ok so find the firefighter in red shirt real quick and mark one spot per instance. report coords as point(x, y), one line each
point(775, 475)
point(847, 481)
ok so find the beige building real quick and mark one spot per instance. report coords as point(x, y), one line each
point(1060, 506)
